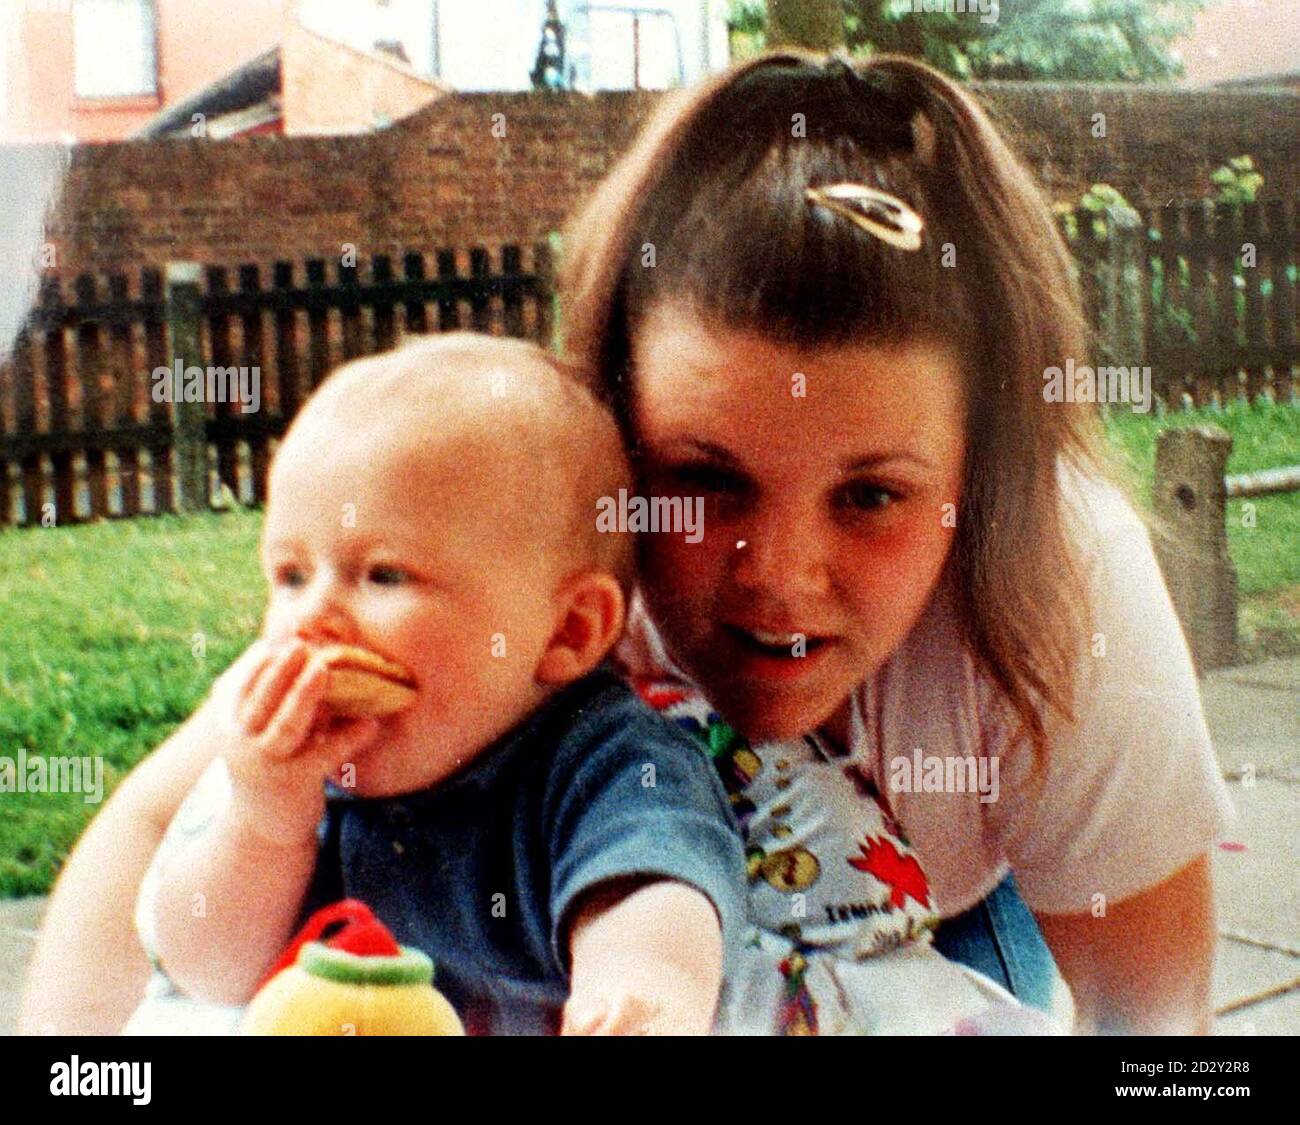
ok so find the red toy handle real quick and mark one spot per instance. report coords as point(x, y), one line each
point(360, 932)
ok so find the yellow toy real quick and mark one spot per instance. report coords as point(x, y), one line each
point(358, 981)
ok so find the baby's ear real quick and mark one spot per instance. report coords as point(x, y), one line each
point(590, 609)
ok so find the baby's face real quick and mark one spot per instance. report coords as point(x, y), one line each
point(410, 544)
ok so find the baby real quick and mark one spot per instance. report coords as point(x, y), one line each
point(566, 857)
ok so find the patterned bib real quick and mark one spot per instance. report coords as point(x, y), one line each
point(828, 866)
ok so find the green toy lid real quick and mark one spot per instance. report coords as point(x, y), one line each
point(408, 967)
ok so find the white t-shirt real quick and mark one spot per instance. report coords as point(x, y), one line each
point(1132, 791)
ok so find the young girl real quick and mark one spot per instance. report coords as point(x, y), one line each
point(824, 297)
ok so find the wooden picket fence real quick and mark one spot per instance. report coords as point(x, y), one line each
point(82, 437)
point(1204, 295)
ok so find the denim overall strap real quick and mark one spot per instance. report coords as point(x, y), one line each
point(1000, 938)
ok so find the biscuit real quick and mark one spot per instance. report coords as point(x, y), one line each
point(363, 684)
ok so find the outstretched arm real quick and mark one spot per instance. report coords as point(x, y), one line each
point(1145, 966)
point(647, 960)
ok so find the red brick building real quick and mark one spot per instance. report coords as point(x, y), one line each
point(97, 70)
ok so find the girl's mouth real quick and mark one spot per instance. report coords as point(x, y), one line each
point(776, 654)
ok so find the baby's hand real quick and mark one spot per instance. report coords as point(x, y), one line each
point(283, 745)
point(645, 962)
point(647, 1007)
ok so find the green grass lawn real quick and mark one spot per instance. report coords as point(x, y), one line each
point(99, 630)
point(110, 633)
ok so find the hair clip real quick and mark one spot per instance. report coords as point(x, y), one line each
point(884, 215)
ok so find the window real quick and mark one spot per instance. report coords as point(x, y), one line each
point(113, 48)
point(633, 48)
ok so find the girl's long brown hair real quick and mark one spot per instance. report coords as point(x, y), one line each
point(713, 189)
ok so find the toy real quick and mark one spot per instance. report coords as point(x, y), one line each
point(357, 981)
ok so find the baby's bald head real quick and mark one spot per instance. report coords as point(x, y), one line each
point(519, 430)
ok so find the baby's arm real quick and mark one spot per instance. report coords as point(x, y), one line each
point(226, 905)
point(88, 971)
point(227, 901)
point(647, 960)
point(647, 876)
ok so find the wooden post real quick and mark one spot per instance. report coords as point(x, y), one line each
point(1123, 276)
point(129, 366)
point(1253, 233)
point(32, 478)
point(417, 317)
point(1282, 307)
point(1200, 259)
point(480, 302)
point(220, 341)
point(512, 296)
point(89, 337)
point(318, 326)
point(355, 343)
point(287, 361)
point(385, 316)
point(162, 460)
point(1174, 300)
point(549, 324)
point(1227, 262)
point(1190, 500)
point(56, 388)
point(1145, 308)
point(184, 304)
point(1090, 255)
point(253, 357)
point(448, 304)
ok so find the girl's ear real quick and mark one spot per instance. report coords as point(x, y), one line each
point(591, 613)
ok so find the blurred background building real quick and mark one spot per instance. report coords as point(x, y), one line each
point(101, 70)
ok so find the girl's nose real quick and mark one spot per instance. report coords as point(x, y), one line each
point(781, 555)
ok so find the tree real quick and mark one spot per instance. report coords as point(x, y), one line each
point(1087, 40)
point(818, 24)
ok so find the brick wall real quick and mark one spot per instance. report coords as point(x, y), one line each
point(441, 178)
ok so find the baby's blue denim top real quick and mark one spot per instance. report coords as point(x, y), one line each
point(480, 870)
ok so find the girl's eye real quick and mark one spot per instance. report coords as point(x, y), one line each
point(864, 496)
point(704, 477)
point(388, 576)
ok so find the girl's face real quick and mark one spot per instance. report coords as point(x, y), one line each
point(830, 480)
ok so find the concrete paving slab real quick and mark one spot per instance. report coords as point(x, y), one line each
point(22, 913)
point(1273, 1017)
point(1282, 672)
point(1242, 970)
point(1257, 889)
point(1289, 773)
point(20, 919)
point(1252, 724)
point(15, 951)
